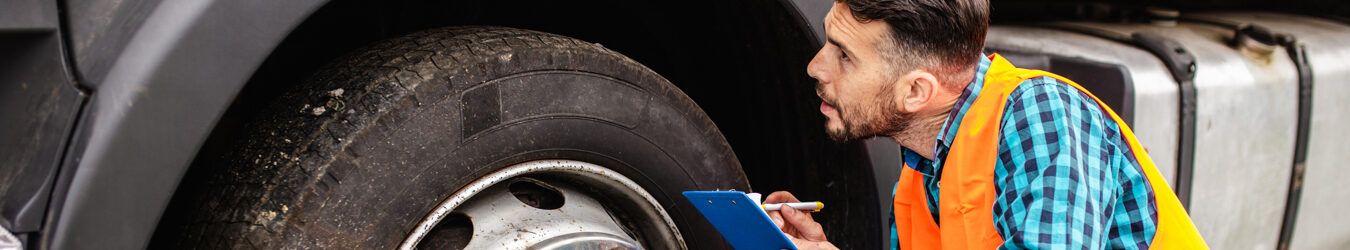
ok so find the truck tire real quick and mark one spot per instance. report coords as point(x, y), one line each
point(363, 153)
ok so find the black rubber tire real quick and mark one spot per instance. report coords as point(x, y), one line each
point(421, 115)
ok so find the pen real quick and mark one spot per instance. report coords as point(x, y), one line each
point(813, 206)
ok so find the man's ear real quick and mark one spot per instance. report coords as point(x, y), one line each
point(922, 87)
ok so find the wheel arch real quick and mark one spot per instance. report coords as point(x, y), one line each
point(160, 73)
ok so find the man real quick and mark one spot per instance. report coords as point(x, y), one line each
point(1029, 159)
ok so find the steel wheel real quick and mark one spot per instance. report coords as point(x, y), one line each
point(548, 204)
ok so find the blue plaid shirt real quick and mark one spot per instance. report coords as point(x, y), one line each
point(1066, 178)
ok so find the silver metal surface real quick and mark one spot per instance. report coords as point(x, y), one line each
point(814, 14)
point(1246, 121)
point(1155, 92)
point(8, 241)
point(885, 156)
point(658, 227)
point(586, 241)
point(500, 221)
point(1245, 127)
point(1321, 222)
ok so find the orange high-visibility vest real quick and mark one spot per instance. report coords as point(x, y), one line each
point(965, 202)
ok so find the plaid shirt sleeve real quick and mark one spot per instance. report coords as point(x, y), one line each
point(1065, 177)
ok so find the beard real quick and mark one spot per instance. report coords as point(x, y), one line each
point(878, 116)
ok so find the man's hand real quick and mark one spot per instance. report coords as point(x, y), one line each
point(803, 230)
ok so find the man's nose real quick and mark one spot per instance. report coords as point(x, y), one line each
point(816, 68)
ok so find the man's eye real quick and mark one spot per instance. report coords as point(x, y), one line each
point(843, 56)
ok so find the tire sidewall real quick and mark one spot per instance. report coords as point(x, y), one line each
point(424, 147)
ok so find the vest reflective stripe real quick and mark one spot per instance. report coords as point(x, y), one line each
point(965, 202)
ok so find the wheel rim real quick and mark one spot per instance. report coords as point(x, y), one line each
point(550, 210)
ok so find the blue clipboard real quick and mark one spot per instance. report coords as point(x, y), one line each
point(739, 219)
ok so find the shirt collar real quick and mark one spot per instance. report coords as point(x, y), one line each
point(933, 168)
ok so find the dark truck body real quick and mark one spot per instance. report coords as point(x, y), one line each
point(106, 104)
point(130, 91)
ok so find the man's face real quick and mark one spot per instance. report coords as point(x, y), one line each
point(856, 84)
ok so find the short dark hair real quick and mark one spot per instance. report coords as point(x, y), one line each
point(948, 31)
